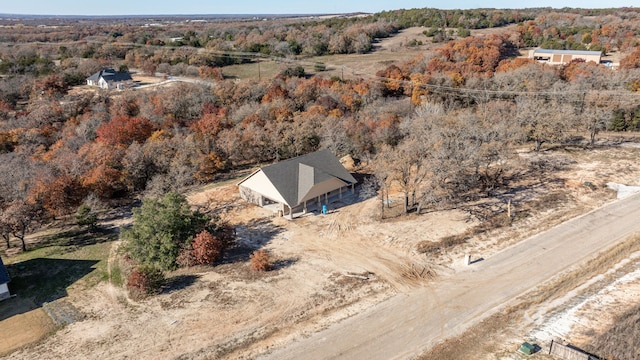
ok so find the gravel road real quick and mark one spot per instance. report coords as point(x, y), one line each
point(409, 323)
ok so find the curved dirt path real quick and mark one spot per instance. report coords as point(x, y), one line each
point(409, 323)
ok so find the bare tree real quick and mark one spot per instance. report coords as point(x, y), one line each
point(20, 215)
point(406, 168)
point(382, 176)
point(5, 230)
point(596, 112)
point(544, 119)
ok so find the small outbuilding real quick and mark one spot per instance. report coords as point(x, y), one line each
point(561, 57)
point(298, 184)
point(111, 79)
point(4, 282)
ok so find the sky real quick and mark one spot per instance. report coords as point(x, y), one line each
point(168, 7)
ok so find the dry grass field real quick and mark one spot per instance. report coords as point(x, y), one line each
point(393, 50)
point(328, 268)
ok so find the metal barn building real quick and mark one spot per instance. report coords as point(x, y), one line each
point(561, 57)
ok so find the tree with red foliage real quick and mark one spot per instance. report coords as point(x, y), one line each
point(124, 130)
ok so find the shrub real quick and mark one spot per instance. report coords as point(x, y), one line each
point(85, 217)
point(161, 228)
point(260, 260)
point(290, 72)
point(207, 248)
point(145, 280)
point(185, 257)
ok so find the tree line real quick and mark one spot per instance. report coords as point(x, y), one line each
point(443, 124)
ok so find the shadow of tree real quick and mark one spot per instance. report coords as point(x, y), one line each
point(250, 238)
point(74, 238)
point(41, 280)
point(179, 282)
point(283, 263)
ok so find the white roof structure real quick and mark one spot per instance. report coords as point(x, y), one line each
point(560, 57)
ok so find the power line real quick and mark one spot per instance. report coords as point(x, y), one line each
point(442, 89)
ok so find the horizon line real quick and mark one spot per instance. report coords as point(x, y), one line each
point(191, 15)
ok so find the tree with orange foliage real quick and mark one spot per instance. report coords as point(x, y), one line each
point(208, 72)
point(212, 122)
point(394, 80)
point(124, 130)
point(52, 86)
point(507, 65)
point(275, 91)
point(58, 196)
point(631, 61)
point(105, 181)
point(210, 165)
point(260, 260)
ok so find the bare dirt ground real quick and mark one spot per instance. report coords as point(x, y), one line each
point(23, 327)
point(328, 269)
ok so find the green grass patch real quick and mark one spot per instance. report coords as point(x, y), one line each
point(58, 261)
point(116, 275)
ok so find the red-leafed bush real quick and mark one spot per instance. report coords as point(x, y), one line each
point(207, 248)
point(144, 281)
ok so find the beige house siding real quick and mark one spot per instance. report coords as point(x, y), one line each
point(260, 184)
point(323, 188)
point(561, 57)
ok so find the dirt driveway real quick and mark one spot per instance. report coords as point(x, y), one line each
point(409, 323)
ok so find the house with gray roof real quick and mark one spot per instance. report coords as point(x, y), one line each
point(110, 79)
point(4, 282)
point(294, 185)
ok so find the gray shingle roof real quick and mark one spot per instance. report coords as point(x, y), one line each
point(294, 178)
point(110, 75)
point(4, 275)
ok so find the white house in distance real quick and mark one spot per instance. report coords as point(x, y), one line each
point(110, 79)
point(561, 57)
point(296, 184)
point(4, 281)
